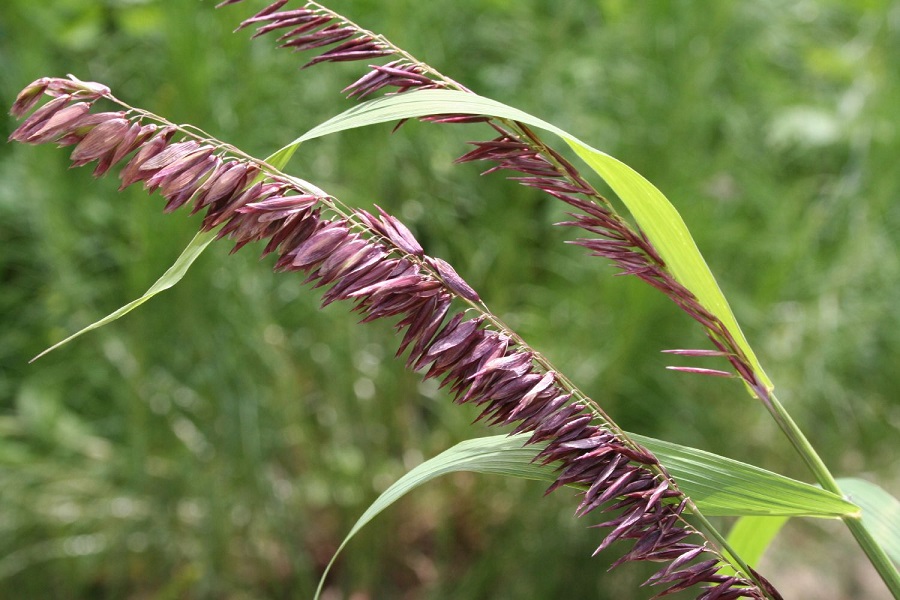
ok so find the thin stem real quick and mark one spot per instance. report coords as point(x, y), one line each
point(876, 554)
point(732, 555)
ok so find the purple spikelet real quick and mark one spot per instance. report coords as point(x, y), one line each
point(375, 263)
point(313, 27)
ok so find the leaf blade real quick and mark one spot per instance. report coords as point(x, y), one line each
point(880, 513)
point(670, 236)
point(721, 486)
point(653, 212)
point(750, 536)
point(496, 454)
point(507, 455)
point(173, 275)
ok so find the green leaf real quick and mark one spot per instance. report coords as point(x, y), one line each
point(721, 486)
point(880, 513)
point(280, 158)
point(750, 536)
point(670, 236)
point(172, 276)
point(499, 454)
point(174, 273)
point(717, 485)
point(650, 208)
point(420, 104)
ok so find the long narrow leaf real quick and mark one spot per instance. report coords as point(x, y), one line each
point(722, 486)
point(172, 276)
point(650, 208)
point(717, 485)
point(666, 229)
point(498, 454)
point(751, 536)
point(880, 513)
point(174, 273)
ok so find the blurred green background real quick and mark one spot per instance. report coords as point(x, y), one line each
point(220, 441)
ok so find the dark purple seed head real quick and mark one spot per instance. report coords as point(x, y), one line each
point(58, 123)
point(38, 119)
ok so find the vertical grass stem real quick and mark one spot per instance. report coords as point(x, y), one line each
point(801, 444)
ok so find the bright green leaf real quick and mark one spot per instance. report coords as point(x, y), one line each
point(750, 536)
point(172, 276)
point(739, 488)
point(650, 208)
point(670, 236)
point(174, 273)
point(499, 454)
point(420, 104)
point(880, 513)
point(721, 486)
point(280, 158)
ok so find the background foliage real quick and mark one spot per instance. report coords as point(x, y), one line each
point(219, 442)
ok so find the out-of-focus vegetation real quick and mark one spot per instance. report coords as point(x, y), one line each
point(220, 441)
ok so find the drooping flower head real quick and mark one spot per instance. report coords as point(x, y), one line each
point(375, 262)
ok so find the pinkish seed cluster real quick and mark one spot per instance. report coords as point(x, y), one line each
point(376, 262)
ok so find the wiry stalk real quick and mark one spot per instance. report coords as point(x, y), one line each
point(375, 262)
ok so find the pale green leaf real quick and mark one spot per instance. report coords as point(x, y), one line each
point(750, 536)
point(420, 104)
point(722, 486)
point(499, 454)
point(671, 238)
point(650, 208)
point(739, 487)
point(880, 513)
point(174, 273)
point(280, 158)
point(172, 276)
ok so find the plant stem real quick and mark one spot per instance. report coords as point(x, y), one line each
point(873, 550)
point(728, 553)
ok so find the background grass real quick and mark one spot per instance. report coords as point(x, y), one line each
point(220, 441)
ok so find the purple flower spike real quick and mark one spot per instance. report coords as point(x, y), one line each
point(376, 264)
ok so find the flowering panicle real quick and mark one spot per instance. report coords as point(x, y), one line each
point(375, 262)
point(308, 29)
point(517, 149)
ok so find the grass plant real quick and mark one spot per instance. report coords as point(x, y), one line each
point(370, 258)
